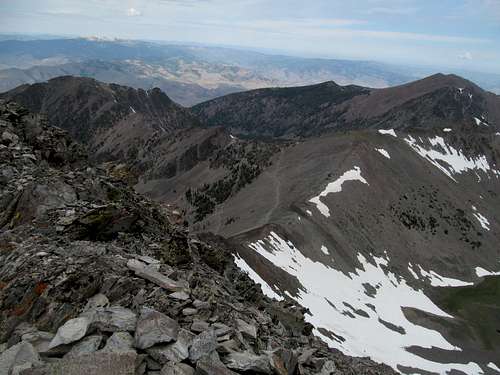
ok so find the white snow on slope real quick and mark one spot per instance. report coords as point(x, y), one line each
point(449, 160)
point(447, 130)
point(132, 109)
point(442, 281)
point(482, 220)
point(324, 249)
point(383, 152)
point(412, 271)
point(480, 122)
point(481, 272)
point(336, 187)
point(266, 289)
point(388, 132)
point(494, 367)
point(362, 307)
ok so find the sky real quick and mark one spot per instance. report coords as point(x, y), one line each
point(461, 34)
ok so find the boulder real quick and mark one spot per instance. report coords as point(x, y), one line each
point(154, 328)
point(89, 344)
point(246, 329)
point(204, 344)
point(156, 277)
point(175, 352)
point(119, 342)
point(188, 311)
point(99, 300)
point(19, 356)
point(177, 369)
point(182, 296)
point(328, 368)
point(39, 339)
point(199, 326)
point(248, 362)
point(99, 363)
point(211, 365)
point(71, 331)
point(111, 319)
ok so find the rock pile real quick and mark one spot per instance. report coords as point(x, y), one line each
point(91, 282)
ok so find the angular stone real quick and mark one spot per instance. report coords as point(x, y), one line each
point(201, 305)
point(99, 300)
point(99, 363)
point(246, 361)
point(87, 345)
point(39, 339)
point(175, 352)
point(221, 329)
point(246, 328)
point(182, 296)
point(18, 355)
point(156, 277)
point(203, 344)
point(188, 311)
point(71, 331)
point(211, 365)
point(328, 368)
point(199, 326)
point(111, 319)
point(177, 369)
point(284, 361)
point(154, 328)
point(119, 342)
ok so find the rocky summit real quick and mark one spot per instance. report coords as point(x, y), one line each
point(97, 279)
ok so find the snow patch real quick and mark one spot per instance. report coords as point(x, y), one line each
point(388, 132)
point(456, 161)
point(362, 306)
point(232, 136)
point(447, 130)
point(324, 249)
point(481, 272)
point(309, 212)
point(480, 122)
point(442, 281)
point(133, 110)
point(482, 220)
point(383, 152)
point(491, 365)
point(266, 289)
point(336, 187)
point(413, 273)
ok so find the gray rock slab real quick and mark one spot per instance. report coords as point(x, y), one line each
point(154, 328)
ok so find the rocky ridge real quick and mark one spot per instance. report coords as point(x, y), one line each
point(95, 278)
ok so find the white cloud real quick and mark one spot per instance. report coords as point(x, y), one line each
point(132, 12)
point(465, 56)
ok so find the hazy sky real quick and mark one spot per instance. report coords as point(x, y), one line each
point(454, 33)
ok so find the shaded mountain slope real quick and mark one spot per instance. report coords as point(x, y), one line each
point(95, 278)
point(446, 101)
point(99, 114)
point(163, 147)
point(127, 73)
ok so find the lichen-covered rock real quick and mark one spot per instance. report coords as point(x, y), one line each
point(204, 344)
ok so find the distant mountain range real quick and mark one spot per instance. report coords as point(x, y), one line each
point(191, 74)
point(375, 209)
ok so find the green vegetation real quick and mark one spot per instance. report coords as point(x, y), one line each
point(479, 307)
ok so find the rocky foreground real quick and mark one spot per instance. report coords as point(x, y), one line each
point(95, 279)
